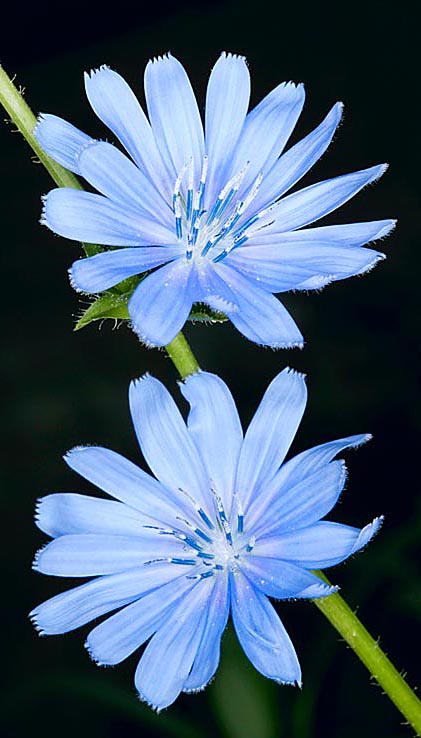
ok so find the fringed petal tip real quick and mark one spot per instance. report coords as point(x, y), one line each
point(33, 617)
point(36, 564)
point(367, 534)
point(146, 342)
point(156, 708)
point(93, 72)
point(282, 345)
point(230, 55)
point(135, 383)
point(294, 373)
point(97, 661)
point(290, 683)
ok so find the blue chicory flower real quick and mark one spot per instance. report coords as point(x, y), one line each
point(205, 211)
point(225, 525)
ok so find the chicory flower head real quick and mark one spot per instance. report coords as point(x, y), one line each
point(225, 525)
point(204, 210)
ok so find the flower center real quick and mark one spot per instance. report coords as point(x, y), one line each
point(216, 232)
point(213, 544)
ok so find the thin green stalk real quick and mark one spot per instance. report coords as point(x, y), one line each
point(333, 607)
point(182, 356)
point(340, 615)
point(23, 117)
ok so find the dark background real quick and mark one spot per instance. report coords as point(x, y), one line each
point(362, 357)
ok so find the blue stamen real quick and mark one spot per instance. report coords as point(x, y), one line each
point(204, 555)
point(205, 518)
point(206, 574)
point(240, 523)
point(192, 543)
point(203, 535)
point(189, 205)
point(183, 562)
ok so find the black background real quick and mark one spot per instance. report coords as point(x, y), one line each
point(362, 357)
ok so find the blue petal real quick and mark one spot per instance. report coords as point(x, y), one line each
point(166, 445)
point(127, 186)
point(115, 104)
point(320, 545)
point(207, 658)
point(309, 462)
point(125, 481)
point(348, 234)
point(297, 161)
point(84, 216)
point(120, 635)
point(68, 513)
point(80, 605)
point(161, 304)
point(297, 504)
point(87, 555)
point(227, 100)
point(257, 315)
point(318, 200)
point(99, 272)
point(174, 115)
point(61, 140)
point(215, 427)
point(266, 130)
point(169, 656)
point(280, 267)
point(282, 579)
point(270, 433)
point(261, 633)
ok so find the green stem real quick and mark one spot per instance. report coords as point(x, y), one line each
point(23, 117)
point(333, 607)
point(340, 615)
point(182, 356)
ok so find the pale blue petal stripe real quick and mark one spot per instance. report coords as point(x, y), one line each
point(161, 304)
point(169, 656)
point(266, 130)
point(166, 445)
point(124, 480)
point(297, 505)
point(115, 104)
point(90, 554)
point(310, 461)
point(227, 100)
point(61, 140)
point(207, 658)
point(257, 315)
point(318, 200)
point(174, 115)
point(321, 545)
point(80, 605)
point(348, 234)
point(270, 433)
point(99, 272)
point(68, 513)
point(261, 633)
point(298, 160)
point(114, 175)
point(85, 216)
point(215, 427)
point(282, 267)
point(282, 580)
point(121, 634)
